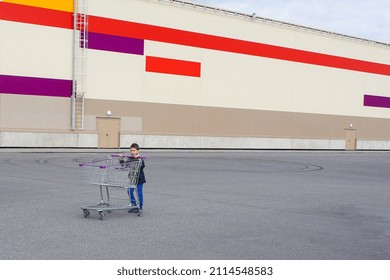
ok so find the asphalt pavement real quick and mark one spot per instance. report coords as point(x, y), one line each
point(283, 205)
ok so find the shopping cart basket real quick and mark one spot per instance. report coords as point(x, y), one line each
point(112, 172)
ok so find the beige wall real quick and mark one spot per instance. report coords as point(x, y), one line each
point(35, 51)
point(230, 80)
point(236, 96)
point(169, 119)
point(235, 81)
point(217, 23)
point(34, 113)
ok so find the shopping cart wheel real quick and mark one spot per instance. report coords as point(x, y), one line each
point(102, 215)
point(140, 212)
point(86, 213)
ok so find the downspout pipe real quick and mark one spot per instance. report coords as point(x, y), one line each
point(74, 81)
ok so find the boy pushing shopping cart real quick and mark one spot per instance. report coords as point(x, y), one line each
point(134, 155)
point(117, 171)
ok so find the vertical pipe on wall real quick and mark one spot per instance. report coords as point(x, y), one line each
point(74, 85)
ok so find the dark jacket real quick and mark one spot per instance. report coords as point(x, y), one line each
point(141, 178)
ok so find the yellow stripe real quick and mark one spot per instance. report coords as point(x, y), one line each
point(62, 5)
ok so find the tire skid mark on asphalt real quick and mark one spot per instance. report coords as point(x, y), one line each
point(299, 167)
point(306, 213)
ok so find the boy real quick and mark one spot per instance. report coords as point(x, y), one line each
point(134, 153)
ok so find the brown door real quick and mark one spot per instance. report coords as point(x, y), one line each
point(108, 129)
point(350, 139)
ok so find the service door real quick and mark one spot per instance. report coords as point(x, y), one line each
point(108, 129)
point(350, 139)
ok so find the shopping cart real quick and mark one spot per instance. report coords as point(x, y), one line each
point(112, 172)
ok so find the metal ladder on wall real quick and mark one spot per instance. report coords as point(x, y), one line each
point(79, 62)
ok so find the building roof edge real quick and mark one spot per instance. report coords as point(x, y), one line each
point(195, 5)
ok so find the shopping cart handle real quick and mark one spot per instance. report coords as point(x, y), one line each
point(117, 155)
point(127, 156)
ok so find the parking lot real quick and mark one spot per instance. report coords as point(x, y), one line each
point(201, 205)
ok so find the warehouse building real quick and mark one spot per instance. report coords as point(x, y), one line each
point(175, 74)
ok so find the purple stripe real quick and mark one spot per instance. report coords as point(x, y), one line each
point(376, 101)
point(113, 43)
point(35, 86)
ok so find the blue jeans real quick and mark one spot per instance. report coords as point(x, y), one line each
point(140, 195)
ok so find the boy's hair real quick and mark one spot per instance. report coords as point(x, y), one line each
point(134, 146)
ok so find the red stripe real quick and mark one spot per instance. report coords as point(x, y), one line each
point(35, 15)
point(193, 39)
point(47, 17)
point(172, 66)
